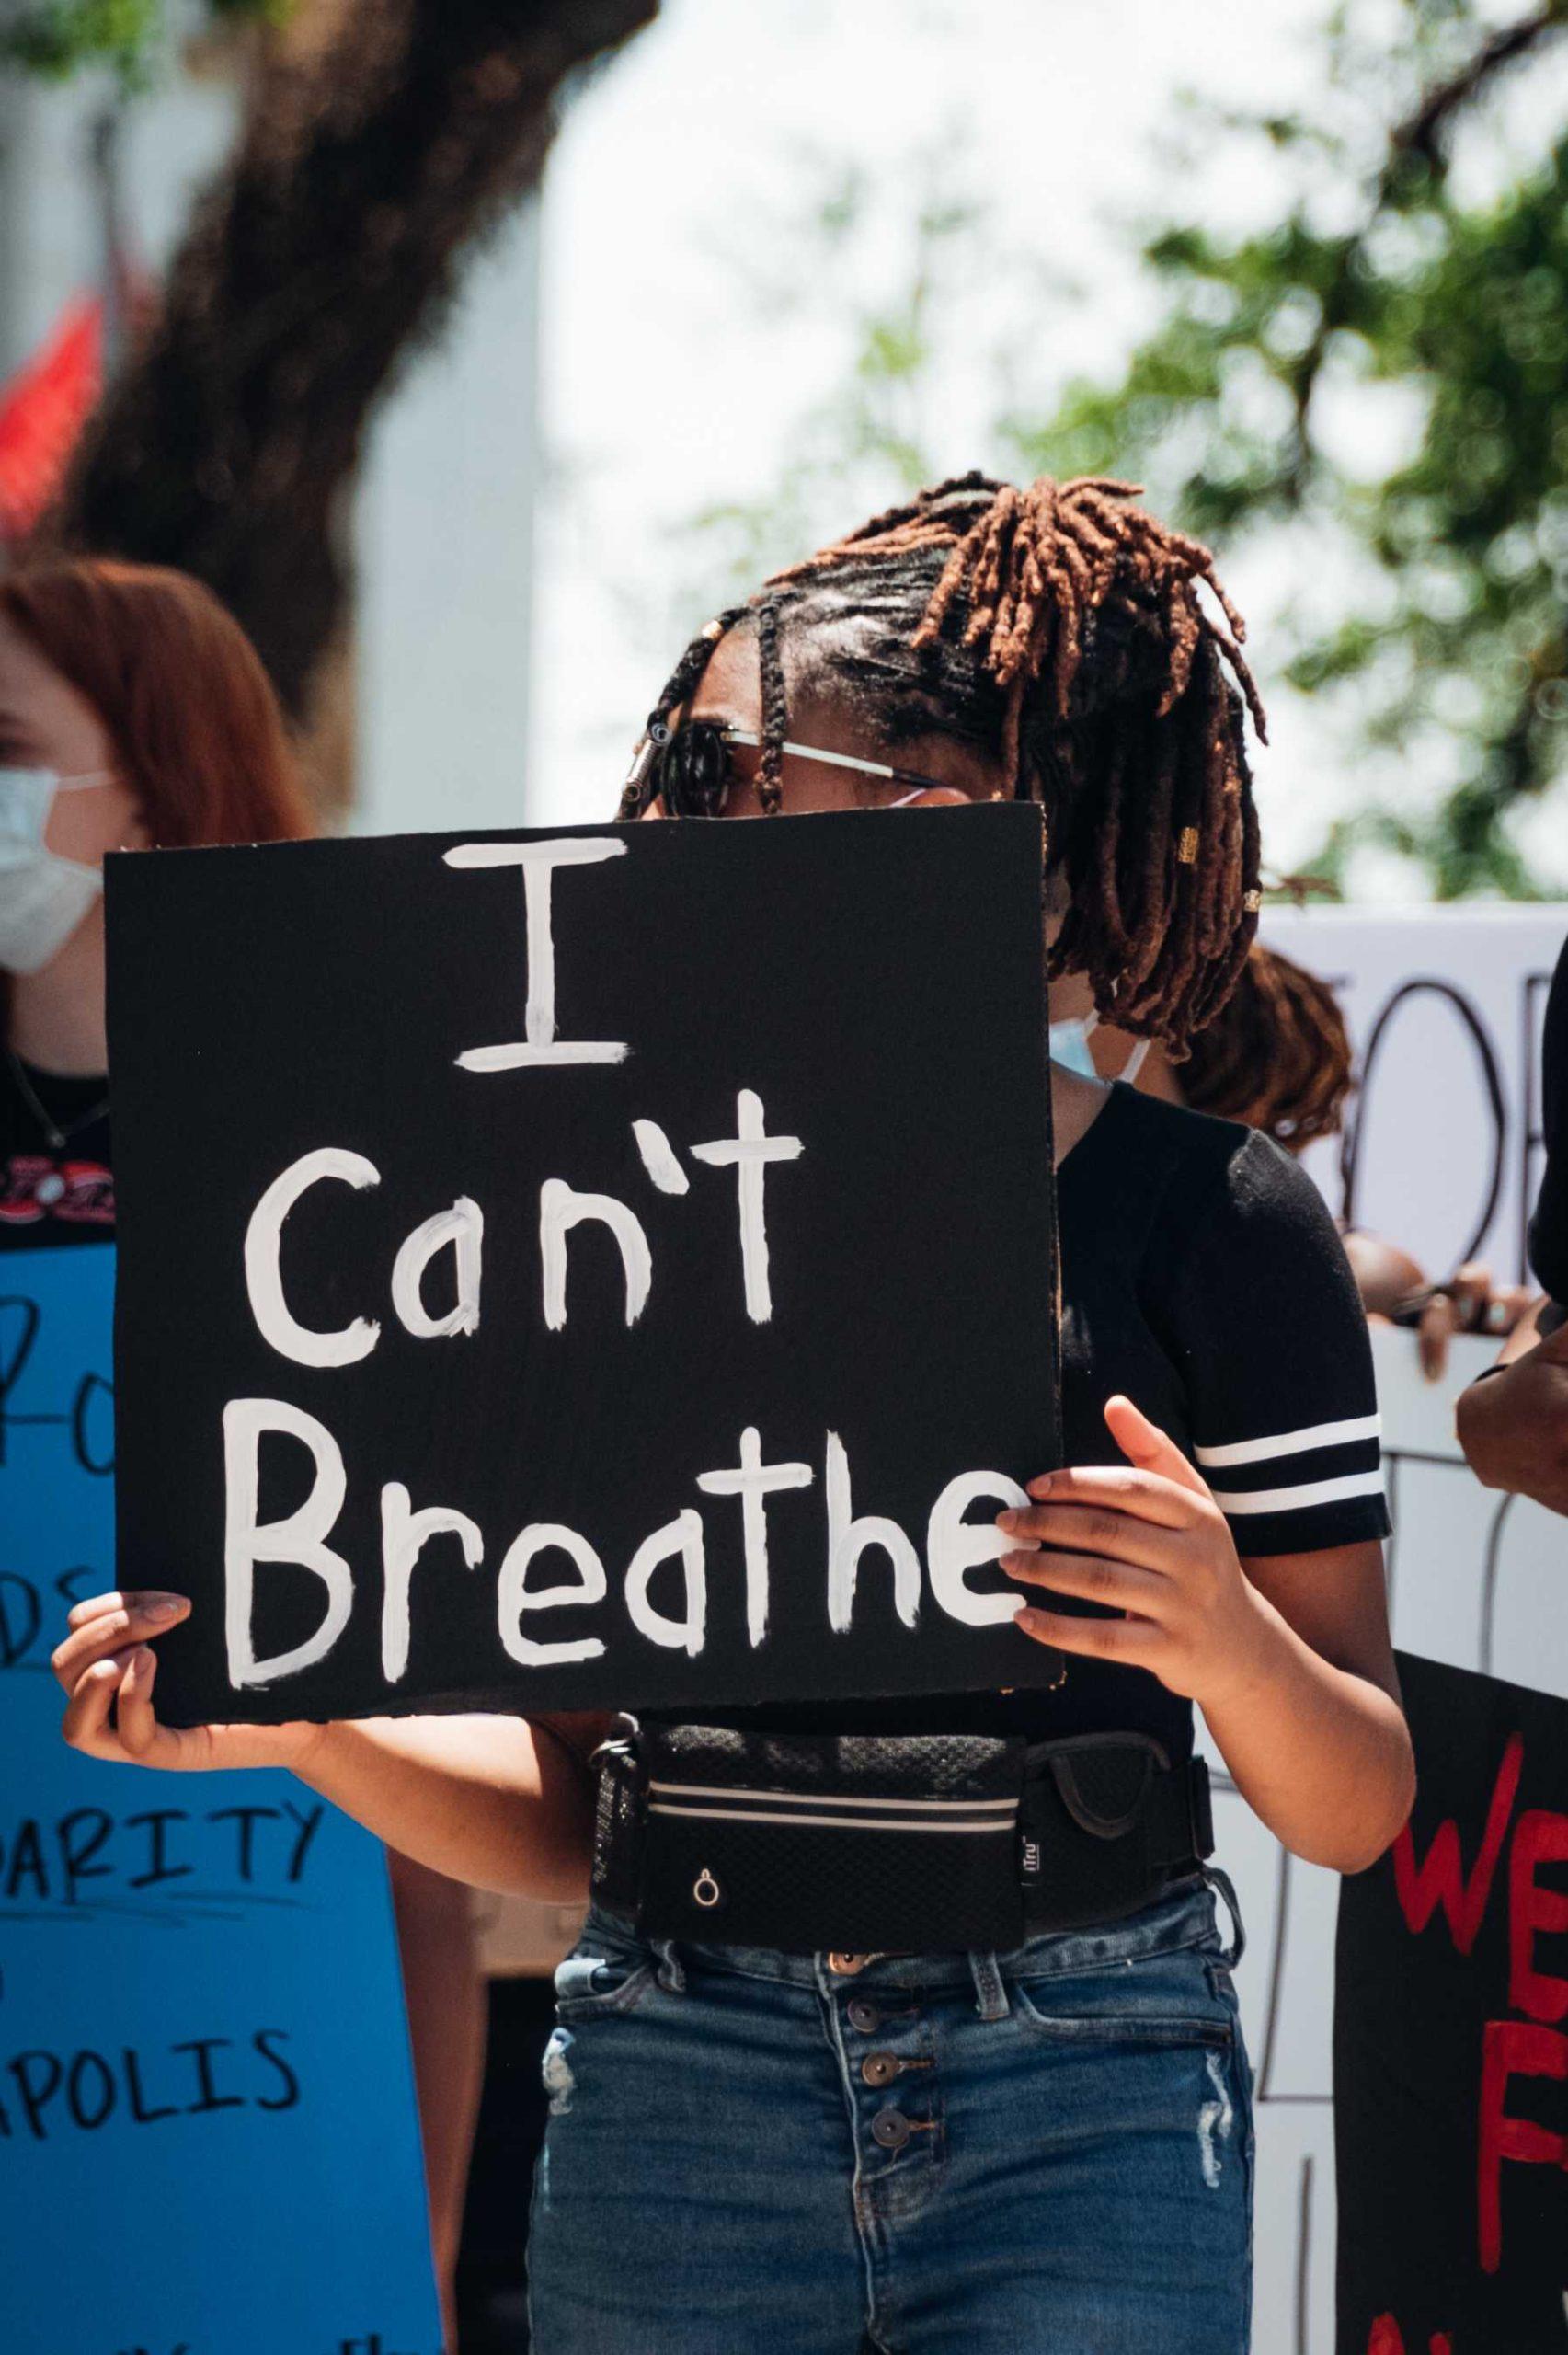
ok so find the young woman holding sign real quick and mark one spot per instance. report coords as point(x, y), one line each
point(930, 2145)
point(134, 711)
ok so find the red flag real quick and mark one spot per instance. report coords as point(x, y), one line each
point(43, 411)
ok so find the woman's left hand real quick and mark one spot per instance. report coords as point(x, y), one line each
point(1151, 1542)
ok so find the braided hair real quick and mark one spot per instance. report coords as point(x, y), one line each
point(1059, 632)
point(1277, 1056)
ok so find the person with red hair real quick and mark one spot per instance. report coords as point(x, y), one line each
point(135, 713)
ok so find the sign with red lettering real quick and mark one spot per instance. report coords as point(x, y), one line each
point(1451, 2039)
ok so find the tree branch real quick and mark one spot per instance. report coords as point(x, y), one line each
point(369, 163)
point(1420, 136)
point(1421, 133)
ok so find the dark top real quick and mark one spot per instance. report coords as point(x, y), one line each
point(56, 1172)
point(1549, 1228)
point(1202, 1276)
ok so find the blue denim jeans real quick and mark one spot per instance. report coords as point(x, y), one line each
point(927, 2154)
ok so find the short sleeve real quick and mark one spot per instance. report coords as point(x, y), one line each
point(1263, 1321)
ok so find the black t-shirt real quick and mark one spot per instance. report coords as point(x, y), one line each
point(1549, 1227)
point(1202, 1276)
point(56, 1181)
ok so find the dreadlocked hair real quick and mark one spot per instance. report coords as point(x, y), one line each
point(1059, 630)
point(1276, 1055)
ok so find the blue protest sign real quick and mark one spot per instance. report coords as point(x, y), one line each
point(208, 2137)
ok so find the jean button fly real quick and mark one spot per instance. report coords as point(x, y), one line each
point(891, 2128)
point(864, 2017)
point(845, 1966)
point(880, 2068)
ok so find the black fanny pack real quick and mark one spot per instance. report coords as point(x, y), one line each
point(911, 1844)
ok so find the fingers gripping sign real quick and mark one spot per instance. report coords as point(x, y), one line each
point(107, 1668)
point(1147, 1545)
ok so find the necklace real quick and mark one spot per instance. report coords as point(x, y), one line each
point(54, 1136)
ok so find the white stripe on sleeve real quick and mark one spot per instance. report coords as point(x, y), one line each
point(1309, 1492)
point(1264, 1451)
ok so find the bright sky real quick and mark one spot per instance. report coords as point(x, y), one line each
point(665, 387)
point(680, 347)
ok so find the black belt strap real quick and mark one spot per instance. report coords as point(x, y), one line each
point(906, 1844)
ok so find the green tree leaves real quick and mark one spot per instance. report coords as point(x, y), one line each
point(1462, 543)
point(55, 38)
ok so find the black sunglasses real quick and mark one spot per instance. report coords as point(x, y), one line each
point(689, 770)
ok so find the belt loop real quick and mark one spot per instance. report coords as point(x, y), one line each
point(672, 1977)
point(990, 1988)
point(1222, 1883)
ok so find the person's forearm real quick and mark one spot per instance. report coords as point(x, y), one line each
point(1322, 1756)
point(493, 1801)
point(1513, 1424)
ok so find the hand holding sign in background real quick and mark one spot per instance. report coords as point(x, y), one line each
point(222, 2129)
point(643, 1294)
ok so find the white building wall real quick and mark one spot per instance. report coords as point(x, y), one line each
point(445, 553)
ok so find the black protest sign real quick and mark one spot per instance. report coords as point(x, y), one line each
point(591, 1268)
point(1451, 2039)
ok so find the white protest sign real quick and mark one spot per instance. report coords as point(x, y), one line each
point(1443, 1007)
point(1444, 1158)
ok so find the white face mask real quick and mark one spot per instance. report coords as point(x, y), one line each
point(43, 897)
point(1070, 1047)
point(1069, 1044)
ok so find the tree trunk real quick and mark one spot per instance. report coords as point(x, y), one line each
point(373, 151)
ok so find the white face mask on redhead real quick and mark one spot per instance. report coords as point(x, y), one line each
point(43, 897)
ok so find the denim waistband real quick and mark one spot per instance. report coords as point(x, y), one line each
point(1182, 1917)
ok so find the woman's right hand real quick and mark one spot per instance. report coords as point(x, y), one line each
point(108, 1668)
